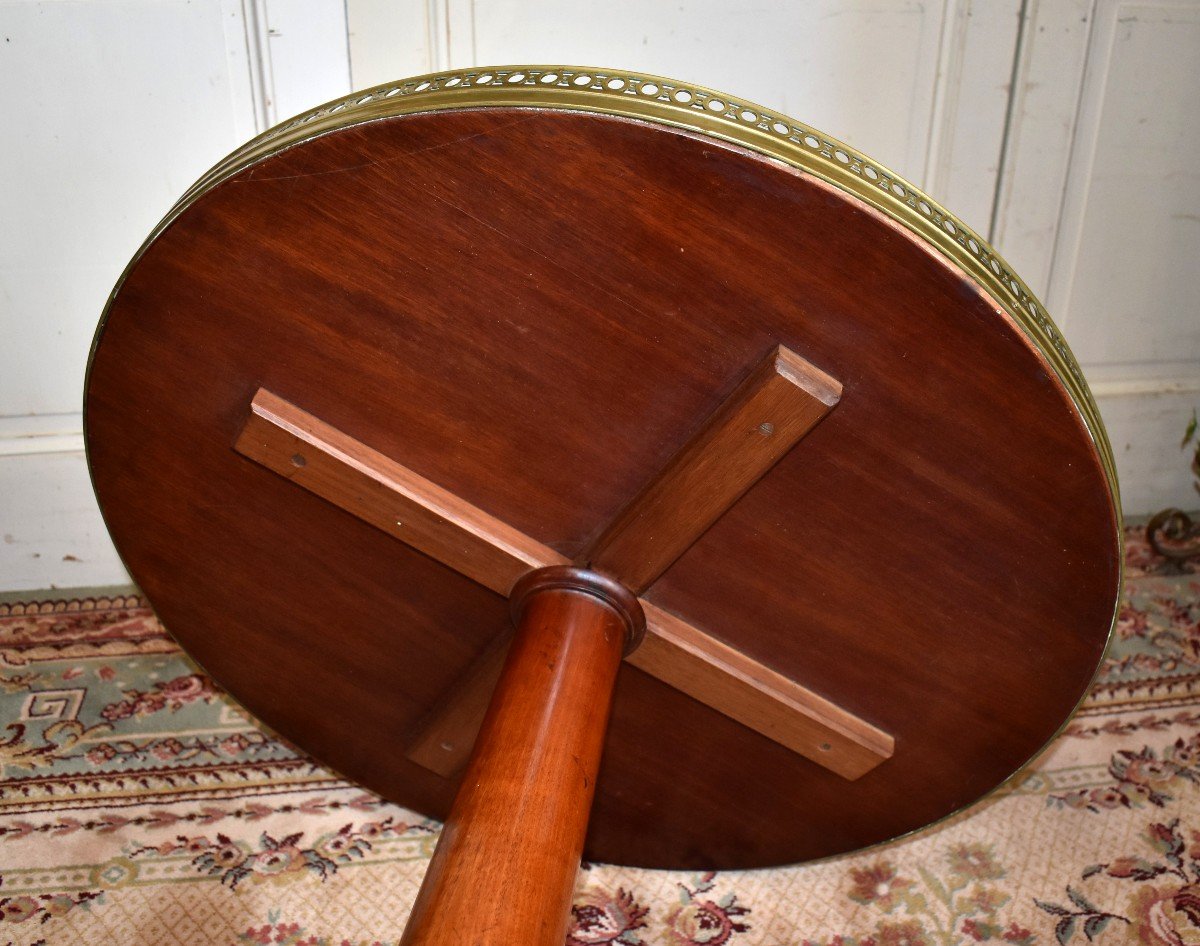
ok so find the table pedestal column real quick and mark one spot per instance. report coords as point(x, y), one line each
point(504, 869)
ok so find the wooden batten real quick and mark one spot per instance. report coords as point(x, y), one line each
point(757, 697)
point(387, 495)
point(329, 463)
point(779, 402)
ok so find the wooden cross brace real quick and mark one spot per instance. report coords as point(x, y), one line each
point(771, 410)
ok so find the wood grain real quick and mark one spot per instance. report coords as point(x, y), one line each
point(534, 309)
point(693, 663)
point(370, 486)
point(442, 740)
point(780, 401)
point(758, 697)
point(505, 866)
point(390, 497)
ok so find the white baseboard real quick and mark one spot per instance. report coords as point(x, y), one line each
point(1146, 419)
point(40, 433)
point(51, 533)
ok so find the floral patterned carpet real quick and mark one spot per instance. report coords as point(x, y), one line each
point(139, 805)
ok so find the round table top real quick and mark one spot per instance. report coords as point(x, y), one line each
point(530, 285)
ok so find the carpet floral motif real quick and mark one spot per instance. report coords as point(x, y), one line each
point(41, 908)
point(599, 916)
point(699, 919)
point(1147, 776)
point(270, 858)
point(138, 804)
point(954, 899)
point(275, 933)
point(1162, 895)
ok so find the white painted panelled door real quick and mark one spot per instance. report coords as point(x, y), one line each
point(1100, 210)
point(111, 110)
point(1083, 176)
point(920, 86)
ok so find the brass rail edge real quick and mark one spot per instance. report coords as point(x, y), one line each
point(705, 111)
point(699, 109)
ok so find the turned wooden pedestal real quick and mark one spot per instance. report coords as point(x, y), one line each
point(504, 869)
point(807, 514)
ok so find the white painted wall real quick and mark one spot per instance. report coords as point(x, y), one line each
point(1082, 177)
point(921, 86)
point(111, 110)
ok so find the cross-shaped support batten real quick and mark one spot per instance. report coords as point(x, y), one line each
point(770, 411)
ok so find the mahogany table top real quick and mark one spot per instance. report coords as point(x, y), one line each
point(530, 291)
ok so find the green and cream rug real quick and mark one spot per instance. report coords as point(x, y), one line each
point(139, 805)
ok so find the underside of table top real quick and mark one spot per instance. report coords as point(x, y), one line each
point(533, 308)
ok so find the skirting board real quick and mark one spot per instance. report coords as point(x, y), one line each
point(51, 533)
point(1145, 423)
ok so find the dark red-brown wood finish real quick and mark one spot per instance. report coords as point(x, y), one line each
point(535, 309)
point(507, 859)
